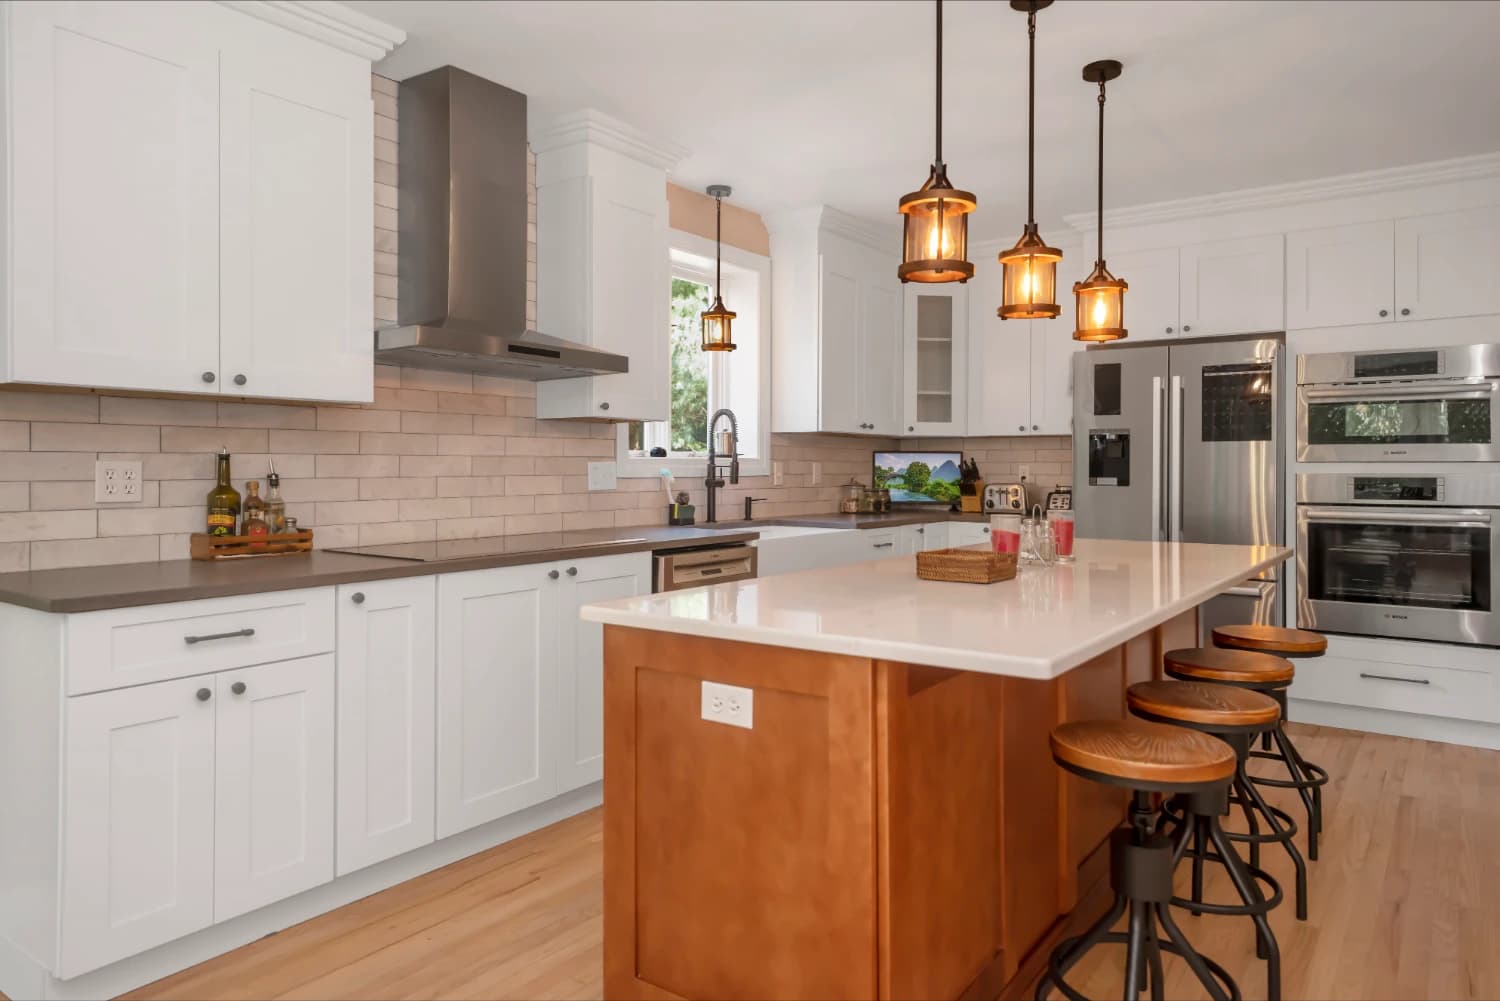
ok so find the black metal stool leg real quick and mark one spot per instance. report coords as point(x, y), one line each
point(1302, 777)
point(1153, 954)
point(1135, 949)
point(1068, 953)
point(1206, 970)
point(1266, 947)
point(1248, 788)
point(1197, 825)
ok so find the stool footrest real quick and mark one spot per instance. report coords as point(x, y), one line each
point(1319, 773)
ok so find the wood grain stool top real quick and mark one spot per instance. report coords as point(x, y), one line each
point(1206, 663)
point(1136, 750)
point(1271, 639)
point(1195, 702)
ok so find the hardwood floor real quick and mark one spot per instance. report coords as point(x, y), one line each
point(1405, 903)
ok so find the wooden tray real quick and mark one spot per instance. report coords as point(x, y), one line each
point(965, 566)
point(239, 547)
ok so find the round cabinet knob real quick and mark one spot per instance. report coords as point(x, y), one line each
point(209, 377)
point(1169, 330)
point(985, 530)
point(572, 571)
point(604, 406)
point(1405, 311)
point(204, 695)
point(1036, 427)
point(553, 574)
point(1186, 329)
point(1385, 312)
point(358, 597)
point(1021, 428)
point(240, 380)
point(911, 427)
point(238, 688)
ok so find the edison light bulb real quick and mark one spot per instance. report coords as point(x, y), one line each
point(1100, 312)
point(939, 245)
point(1026, 283)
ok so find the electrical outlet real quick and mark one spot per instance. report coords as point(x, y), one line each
point(728, 704)
point(778, 474)
point(117, 481)
point(602, 476)
point(1024, 472)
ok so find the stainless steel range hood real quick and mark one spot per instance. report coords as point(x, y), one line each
point(462, 219)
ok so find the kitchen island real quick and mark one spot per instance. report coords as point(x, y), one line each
point(876, 812)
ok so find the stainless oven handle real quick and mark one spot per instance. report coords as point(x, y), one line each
point(1465, 519)
point(1437, 390)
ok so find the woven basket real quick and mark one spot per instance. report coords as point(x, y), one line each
point(965, 566)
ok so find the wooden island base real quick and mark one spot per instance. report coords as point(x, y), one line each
point(883, 830)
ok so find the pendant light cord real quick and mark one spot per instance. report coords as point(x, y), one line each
point(938, 156)
point(1101, 173)
point(1031, 120)
point(719, 247)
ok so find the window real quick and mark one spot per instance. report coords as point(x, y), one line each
point(703, 382)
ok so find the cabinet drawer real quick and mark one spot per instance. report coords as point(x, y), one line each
point(1453, 692)
point(132, 646)
point(880, 543)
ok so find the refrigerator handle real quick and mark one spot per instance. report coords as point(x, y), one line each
point(1158, 430)
point(1174, 459)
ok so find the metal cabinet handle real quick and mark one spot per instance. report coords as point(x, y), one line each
point(553, 574)
point(238, 688)
point(1392, 677)
point(1169, 330)
point(358, 597)
point(985, 530)
point(884, 545)
point(1405, 311)
point(204, 695)
point(921, 530)
point(911, 427)
point(190, 640)
point(1021, 428)
point(209, 377)
point(1186, 329)
point(1036, 427)
point(572, 571)
point(240, 380)
point(604, 406)
point(1385, 312)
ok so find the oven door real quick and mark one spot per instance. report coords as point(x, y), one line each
point(1422, 574)
point(1437, 420)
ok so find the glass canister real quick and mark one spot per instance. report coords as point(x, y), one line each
point(851, 496)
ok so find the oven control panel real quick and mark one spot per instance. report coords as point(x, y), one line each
point(1396, 489)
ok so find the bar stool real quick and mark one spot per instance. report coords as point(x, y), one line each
point(1307, 778)
point(1236, 716)
point(1143, 757)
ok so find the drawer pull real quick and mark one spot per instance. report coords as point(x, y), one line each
point(238, 688)
point(1392, 677)
point(219, 636)
point(884, 545)
point(204, 695)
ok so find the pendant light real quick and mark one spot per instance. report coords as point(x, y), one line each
point(1100, 298)
point(717, 319)
point(1030, 267)
point(935, 219)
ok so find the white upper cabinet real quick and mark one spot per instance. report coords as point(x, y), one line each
point(840, 387)
point(189, 201)
point(1052, 350)
point(113, 136)
point(296, 259)
point(880, 356)
point(1446, 264)
point(1340, 276)
point(1231, 287)
point(1152, 295)
point(603, 266)
point(936, 338)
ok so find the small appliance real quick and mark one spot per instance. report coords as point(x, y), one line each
point(1004, 498)
point(1060, 498)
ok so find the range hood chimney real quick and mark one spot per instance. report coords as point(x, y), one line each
point(462, 216)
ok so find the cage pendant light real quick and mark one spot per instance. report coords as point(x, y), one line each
point(1029, 280)
point(718, 319)
point(935, 219)
point(1100, 298)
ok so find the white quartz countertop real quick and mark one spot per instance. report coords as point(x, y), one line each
point(1043, 623)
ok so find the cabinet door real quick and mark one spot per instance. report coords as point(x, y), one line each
point(114, 130)
point(579, 713)
point(999, 363)
point(296, 258)
point(1340, 276)
point(880, 356)
point(387, 737)
point(1233, 286)
point(497, 660)
point(1151, 300)
point(840, 369)
point(968, 533)
point(1052, 351)
point(1446, 264)
point(273, 816)
point(138, 833)
point(935, 337)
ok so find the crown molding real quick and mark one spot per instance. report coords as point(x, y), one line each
point(327, 22)
point(1371, 182)
point(840, 223)
point(593, 126)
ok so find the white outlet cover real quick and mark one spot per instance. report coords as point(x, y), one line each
point(117, 481)
point(602, 476)
point(778, 474)
point(1024, 472)
point(728, 704)
point(817, 474)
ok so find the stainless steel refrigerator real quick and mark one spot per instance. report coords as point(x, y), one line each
point(1184, 442)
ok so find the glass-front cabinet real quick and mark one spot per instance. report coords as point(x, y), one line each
point(936, 332)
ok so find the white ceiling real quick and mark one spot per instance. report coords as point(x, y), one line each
point(832, 102)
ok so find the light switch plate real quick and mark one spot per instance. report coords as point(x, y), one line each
point(117, 481)
point(728, 704)
point(602, 476)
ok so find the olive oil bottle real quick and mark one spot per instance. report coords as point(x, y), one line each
point(223, 501)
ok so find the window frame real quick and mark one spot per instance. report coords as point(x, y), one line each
point(747, 291)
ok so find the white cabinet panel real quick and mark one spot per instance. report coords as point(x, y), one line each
point(138, 836)
point(114, 155)
point(840, 355)
point(1233, 286)
point(274, 795)
point(880, 355)
point(1447, 265)
point(968, 533)
point(579, 713)
point(936, 342)
point(1340, 276)
point(387, 738)
point(297, 257)
point(920, 538)
point(999, 363)
point(497, 657)
point(879, 543)
point(1151, 299)
point(1052, 350)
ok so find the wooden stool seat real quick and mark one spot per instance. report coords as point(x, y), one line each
point(1271, 639)
point(1141, 754)
point(1200, 704)
point(1240, 667)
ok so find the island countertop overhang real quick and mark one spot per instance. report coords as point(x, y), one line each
point(1040, 625)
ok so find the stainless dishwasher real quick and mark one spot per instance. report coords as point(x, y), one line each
point(676, 569)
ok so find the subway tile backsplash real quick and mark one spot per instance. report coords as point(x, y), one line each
point(438, 455)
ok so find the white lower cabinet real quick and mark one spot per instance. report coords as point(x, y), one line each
point(387, 737)
point(968, 533)
point(912, 539)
